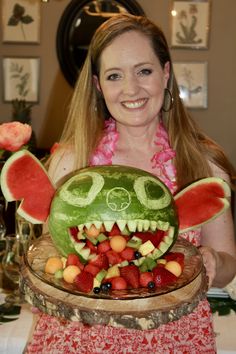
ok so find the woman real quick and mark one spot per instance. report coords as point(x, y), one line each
point(128, 78)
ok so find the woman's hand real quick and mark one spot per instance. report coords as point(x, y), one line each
point(220, 266)
point(218, 244)
point(210, 260)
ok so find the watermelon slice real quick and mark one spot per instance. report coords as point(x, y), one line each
point(201, 202)
point(24, 178)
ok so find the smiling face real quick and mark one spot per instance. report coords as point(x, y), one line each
point(132, 80)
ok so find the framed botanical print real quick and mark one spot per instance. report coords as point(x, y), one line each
point(21, 79)
point(20, 21)
point(190, 24)
point(192, 81)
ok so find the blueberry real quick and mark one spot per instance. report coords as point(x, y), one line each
point(96, 290)
point(137, 255)
point(108, 284)
point(151, 285)
point(105, 287)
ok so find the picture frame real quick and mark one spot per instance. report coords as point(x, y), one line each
point(21, 78)
point(190, 24)
point(192, 82)
point(21, 21)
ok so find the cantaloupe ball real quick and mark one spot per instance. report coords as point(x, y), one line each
point(53, 264)
point(118, 243)
point(70, 272)
point(92, 231)
point(174, 267)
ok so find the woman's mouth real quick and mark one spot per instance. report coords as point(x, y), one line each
point(134, 104)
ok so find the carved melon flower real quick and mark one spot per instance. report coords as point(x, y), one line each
point(13, 136)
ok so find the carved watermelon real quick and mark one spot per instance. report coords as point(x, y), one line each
point(129, 197)
point(24, 178)
point(108, 195)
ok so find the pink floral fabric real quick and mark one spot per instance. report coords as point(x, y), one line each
point(105, 150)
point(192, 334)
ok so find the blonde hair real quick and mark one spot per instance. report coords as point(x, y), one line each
point(85, 123)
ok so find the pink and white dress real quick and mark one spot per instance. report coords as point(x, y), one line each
point(192, 334)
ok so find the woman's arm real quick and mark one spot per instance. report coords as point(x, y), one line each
point(218, 245)
point(61, 164)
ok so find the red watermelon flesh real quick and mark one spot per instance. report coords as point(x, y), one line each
point(201, 201)
point(24, 178)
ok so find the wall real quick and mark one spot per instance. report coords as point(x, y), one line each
point(218, 120)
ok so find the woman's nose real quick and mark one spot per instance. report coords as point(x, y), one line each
point(130, 86)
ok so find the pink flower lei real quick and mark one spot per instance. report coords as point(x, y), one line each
point(162, 160)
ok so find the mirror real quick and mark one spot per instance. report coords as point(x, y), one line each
point(77, 25)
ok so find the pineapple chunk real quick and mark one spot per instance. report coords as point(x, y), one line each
point(146, 248)
point(112, 272)
point(96, 283)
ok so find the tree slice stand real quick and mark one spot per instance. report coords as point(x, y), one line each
point(140, 309)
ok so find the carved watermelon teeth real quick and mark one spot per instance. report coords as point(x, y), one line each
point(132, 225)
point(160, 245)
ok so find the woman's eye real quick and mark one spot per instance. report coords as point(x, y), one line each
point(113, 77)
point(145, 72)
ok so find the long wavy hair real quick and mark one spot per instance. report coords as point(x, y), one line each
point(85, 123)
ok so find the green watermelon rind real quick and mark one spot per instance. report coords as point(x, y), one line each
point(225, 204)
point(59, 226)
point(9, 196)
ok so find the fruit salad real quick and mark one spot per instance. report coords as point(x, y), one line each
point(117, 260)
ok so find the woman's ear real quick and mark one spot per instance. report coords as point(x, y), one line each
point(166, 72)
point(97, 83)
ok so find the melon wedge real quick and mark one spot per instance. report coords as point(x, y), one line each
point(24, 178)
point(201, 202)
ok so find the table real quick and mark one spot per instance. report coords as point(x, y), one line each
point(14, 335)
point(225, 329)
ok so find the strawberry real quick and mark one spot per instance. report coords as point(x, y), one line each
point(100, 261)
point(145, 278)
point(131, 275)
point(73, 259)
point(175, 256)
point(104, 246)
point(118, 283)
point(113, 257)
point(91, 268)
point(91, 246)
point(114, 231)
point(154, 237)
point(84, 282)
point(128, 254)
point(162, 276)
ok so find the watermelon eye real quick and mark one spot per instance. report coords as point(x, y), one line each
point(152, 193)
point(75, 192)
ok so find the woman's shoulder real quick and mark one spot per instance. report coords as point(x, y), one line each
point(219, 172)
point(61, 164)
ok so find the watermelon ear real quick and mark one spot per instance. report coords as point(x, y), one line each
point(24, 178)
point(201, 202)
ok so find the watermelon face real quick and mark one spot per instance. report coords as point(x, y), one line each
point(106, 195)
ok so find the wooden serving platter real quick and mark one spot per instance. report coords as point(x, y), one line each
point(138, 309)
